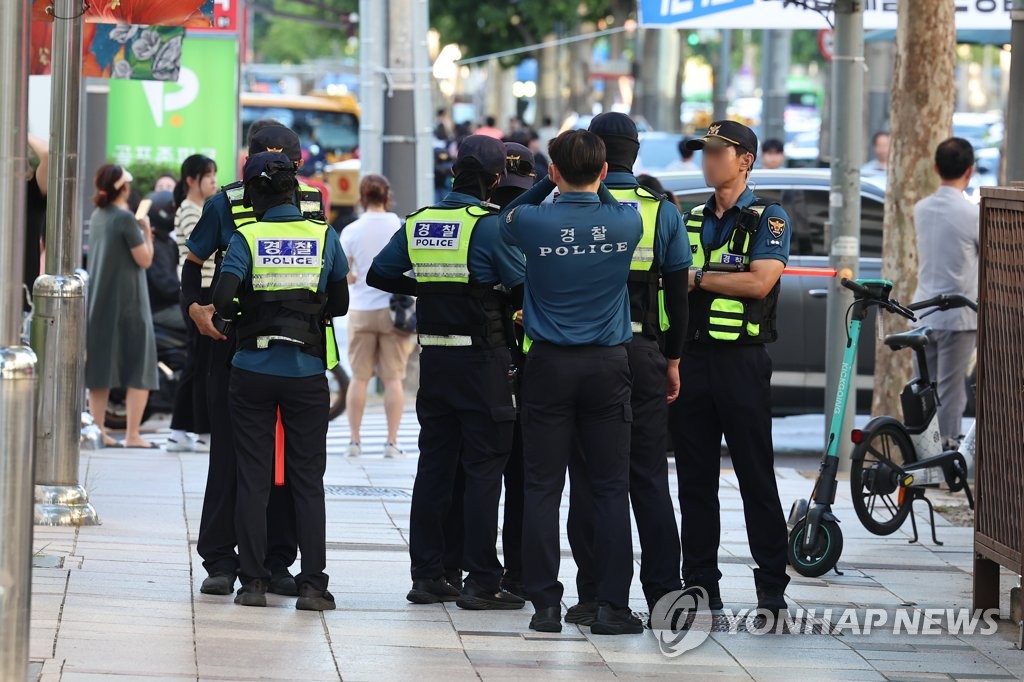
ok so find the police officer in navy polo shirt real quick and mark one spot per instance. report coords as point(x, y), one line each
point(577, 379)
point(658, 310)
point(465, 280)
point(740, 246)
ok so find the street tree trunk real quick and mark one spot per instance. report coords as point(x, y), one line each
point(921, 115)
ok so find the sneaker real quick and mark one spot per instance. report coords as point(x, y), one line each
point(711, 591)
point(547, 620)
point(583, 613)
point(392, 451)
point(454, 579)
point(354, 449)
point(312, 599)
point(173, 445)
point(201, 445)
point(431, 591)
point(284, 584)
point(772, 600)
point(474, 598)
point(218, 583)
point(253, 593)
point(613, 621)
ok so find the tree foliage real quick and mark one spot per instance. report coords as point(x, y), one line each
point(292, 31)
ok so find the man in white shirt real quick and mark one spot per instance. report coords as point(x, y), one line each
point(374, 345)
point(948, 247)
point(880, 164)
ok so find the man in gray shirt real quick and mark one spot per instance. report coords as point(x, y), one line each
point(947, 246)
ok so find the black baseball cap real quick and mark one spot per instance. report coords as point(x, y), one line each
point(519, 170)
point(266, 164)
point(276, 139)
point(613, 124)
point(724, 133)
point(487, 151)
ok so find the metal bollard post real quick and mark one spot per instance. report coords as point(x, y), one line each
point(17, 397)
point(59, 315)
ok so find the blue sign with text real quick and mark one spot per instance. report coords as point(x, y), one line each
point(668, 12)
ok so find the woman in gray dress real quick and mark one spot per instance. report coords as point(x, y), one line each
point(121, 348)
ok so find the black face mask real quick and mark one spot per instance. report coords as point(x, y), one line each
point(622, 153)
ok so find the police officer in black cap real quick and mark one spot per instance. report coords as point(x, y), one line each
point(223, 213)
point(658, 312)
point(464, 276)
point(740, 246)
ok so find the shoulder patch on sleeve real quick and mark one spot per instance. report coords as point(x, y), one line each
point(508, 216)
point(776, 226)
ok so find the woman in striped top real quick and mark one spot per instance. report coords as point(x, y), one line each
point(197, 184)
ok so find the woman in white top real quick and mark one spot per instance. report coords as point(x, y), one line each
point(374, 345)
point(197, 184)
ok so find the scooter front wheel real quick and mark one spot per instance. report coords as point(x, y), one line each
point(823, 556)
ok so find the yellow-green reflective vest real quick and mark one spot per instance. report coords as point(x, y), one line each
point(715, 317)
point(280, 302)
point(310, 203)
point(450, 311)
point(646, 295)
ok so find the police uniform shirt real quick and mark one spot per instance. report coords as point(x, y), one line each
point(771, 239)
point(671, 244)
point(578, 250)
point(491, 261)
point(283, 359)
point(215, 228)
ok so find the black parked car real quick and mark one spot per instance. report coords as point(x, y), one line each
point(798, 357)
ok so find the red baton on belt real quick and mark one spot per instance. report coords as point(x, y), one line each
point(809, 272)
point(279, 451)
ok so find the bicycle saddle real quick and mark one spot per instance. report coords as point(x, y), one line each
point(915, 338)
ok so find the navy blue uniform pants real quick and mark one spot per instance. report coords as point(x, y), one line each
point(464, 406)
point(726, 390)
point(649, 493)
point(217, 537)
point(568, 393)
point(304, 403)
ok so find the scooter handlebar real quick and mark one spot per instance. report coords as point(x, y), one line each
point(855, 288)
point(944, 302)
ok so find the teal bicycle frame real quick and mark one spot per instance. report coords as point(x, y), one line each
point(824, 494)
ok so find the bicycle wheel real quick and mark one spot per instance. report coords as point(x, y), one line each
point(881, 503)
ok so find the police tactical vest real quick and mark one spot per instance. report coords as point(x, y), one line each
point(280, 302)
point(646, 296)
point(715, 317)
point(308, 199)
point(449, 310)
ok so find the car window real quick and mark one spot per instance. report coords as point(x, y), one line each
point(687, 200)
point(872, 212)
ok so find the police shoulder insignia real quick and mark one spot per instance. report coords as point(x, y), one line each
point(508, 216)
point(776, 226)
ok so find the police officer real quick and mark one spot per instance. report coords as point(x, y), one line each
point(577, 380)
point(289, 276)
point(223, 213)
point(463, 273)
point(740, 246)
point(657, 294)
point(520, 175)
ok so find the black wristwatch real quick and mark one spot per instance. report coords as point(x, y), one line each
point(697, 277)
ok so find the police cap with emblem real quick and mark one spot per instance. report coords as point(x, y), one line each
point(518, 167)
point(276, 139)
point(726, 133)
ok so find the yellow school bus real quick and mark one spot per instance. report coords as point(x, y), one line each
point(328, 126)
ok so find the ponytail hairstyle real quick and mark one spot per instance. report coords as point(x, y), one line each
point(194, 167)
point(375, 190)
point(108, 184)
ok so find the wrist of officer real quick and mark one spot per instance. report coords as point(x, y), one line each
point(697, 277)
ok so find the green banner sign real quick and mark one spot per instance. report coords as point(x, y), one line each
point(163, 123)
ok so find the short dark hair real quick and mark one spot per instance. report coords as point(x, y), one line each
point(579, 156)
point(772, 145)
point(490, 121)
point(685, 152)
point(953, 157)
point(546, 121)
point(876, 136)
